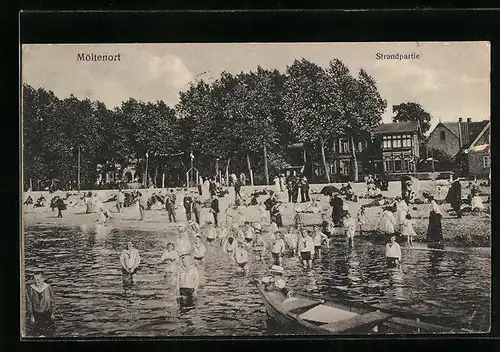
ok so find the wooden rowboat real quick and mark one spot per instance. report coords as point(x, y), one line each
point(314, 316)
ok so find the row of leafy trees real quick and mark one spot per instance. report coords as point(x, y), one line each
point(244, 121)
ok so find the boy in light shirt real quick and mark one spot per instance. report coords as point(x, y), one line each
point(319, 238)
point(393, 253)
point(278, 248)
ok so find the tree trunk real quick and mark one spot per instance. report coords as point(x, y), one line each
point(249, 169)
point(323, 159)
point(266, 170)
point(227, 171)
point(156, 174)
point(355, 161)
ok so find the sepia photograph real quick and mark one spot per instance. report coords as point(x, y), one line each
point(255, 189)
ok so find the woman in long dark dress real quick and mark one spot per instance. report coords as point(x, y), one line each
point(434, 231)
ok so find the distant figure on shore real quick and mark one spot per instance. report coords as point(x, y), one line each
point(454, 196)
point(393, 253)
point(120, 199)
point(212, 187)
point(40, 202)
point(304, 190)
point(60, 206)
point(188, 281)
point(214, 209)
point(188, 204)
point(141, 203)
point(170, 205)
point(129, 260)
point(387, 222)
point(282, 182)
point(196, 206)
point(40, 306)
point(200, 185)
point(237, 190)
point(243, 179)
point(276, 214)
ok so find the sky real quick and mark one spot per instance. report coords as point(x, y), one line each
point(450, 79)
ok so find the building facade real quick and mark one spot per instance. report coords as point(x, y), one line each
point(396, 147)
point(479, 154)
point(453, 137)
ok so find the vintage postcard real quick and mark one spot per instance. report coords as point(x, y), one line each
point(254, 189)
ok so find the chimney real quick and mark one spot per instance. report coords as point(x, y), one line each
point(459, 119)
point(460, 140)
point(469, 120)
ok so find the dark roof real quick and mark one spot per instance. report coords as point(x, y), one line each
point(475, 129)
point(397, 127)
point(452, 126)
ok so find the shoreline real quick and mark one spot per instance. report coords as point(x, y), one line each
point(469, 231)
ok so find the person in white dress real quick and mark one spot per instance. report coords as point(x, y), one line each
point(387, 222)
point(277, 187)
point(408, 230)
point(171, 256)
point(401, 211)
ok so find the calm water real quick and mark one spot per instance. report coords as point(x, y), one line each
point(82, 264)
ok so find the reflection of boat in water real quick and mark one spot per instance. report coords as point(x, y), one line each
point(310, 315)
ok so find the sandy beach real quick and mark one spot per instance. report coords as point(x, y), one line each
point(470, 230)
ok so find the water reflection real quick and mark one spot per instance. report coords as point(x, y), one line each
point(82, 264)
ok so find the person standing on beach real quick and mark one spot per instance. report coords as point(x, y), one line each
point(214, 208)
point(454, 196)
point(120, 198)
point(129, 260)
point(40, 306)
point(387, 222)
point(188, 204)
point(200, 184)
point(237, 190)
point(197, 208)
point(60, 206)
point(408, 230)
point(170, 205)
point(212, 187)
point(304, 189)
point(401, 211)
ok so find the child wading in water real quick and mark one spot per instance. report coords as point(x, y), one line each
point(306, 249)
point(319, 239)
point(276, 281)
point(211, 233)
point(198, 249)
point(259, 246)
point(40, 306)
point(241, 257)
point(408, 230)
point(278, 249)
point(350, 228)
point(393, 253)
point(171, 256)
point(188, 281)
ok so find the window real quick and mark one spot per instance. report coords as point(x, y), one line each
point(396, 142)
point(442, 135)
point(486, 161)
point(386, 142)
point(344, 146)
point(389, 165)
point(406, 140)
point(344, 167)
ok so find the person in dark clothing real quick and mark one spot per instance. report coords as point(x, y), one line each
point(304, 190)
point(434, 231)
point(454, 196)
point(295, 189)
point(212, 187)
point(276, 214)
point(188, 205)
point(60, 207)
point(384, 182)
point(170, 205)
point(289, 188)
point(197, 208)
point(337, 208)
point(269, 203)
point(214, 207)
point(237, 189)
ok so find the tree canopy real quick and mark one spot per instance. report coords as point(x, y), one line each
point(412, 111)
